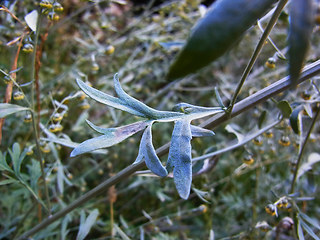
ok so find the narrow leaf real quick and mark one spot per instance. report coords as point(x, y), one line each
point(180, 157)
point(111, 137)
point(15, 153)
point(262, 119)
point(7, 109)
point(147, 150)
point(35, 172)
point(85, 227)
point(230, 129)
point(201, 194)
point(313, 222)
point(301, 25)
point(3, 163)
point(200, 132)
point(134, 127)
point(169, 45)
point(107, 99)
point(139, 106)
point(60, 178)
point(224, 24)
point(309, 230)
point(8, 181)
point(120, 232)
point(61, 141)
point(300, 231)
point(295, 120)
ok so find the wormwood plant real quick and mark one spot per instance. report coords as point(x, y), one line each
point(255, 178)
point(179, 159)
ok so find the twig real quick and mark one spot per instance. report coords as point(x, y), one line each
point(251, 101)
point(35, 124)
point(3, 8)
point(13, 75)
point(304, 143)
point(257, 51)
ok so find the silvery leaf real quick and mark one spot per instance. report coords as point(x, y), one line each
point(147, 151)
point(180, 157)
point(111, 137)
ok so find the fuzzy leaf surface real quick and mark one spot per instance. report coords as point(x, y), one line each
point(107, 99)
point(111, 137)
point(147, 151)
point(200, 132)
point(180, 157)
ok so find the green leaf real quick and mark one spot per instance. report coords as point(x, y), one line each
point(180, 157)
point(3, 163)
point(15, 157)
point(8, 181)
point(147, 151)
point(35, 172)
point(262, 119)
point(224, 24)
point(85, 226)
point(295, 120)
point(111, 137)
point(285, 108)
point(301, 25)
point(7, 109)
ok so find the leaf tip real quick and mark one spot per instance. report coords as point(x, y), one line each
point(74, 153)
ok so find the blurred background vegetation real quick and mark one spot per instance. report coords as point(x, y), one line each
point(93, 40)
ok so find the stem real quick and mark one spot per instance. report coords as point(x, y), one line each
point(39, 156)
point(35, 124)
point(257, 51)
point(304, 144)
point(13, 75)
point(111, 219)
point(251, 101)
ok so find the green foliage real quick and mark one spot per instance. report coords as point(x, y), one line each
point(302, 15)
point(222, 26)
point(86, 223)
point(7, 109)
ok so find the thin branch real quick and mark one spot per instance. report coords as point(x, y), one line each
point(251, 101)
point(35, 124)
point(257, 51)
point(13, 75)
point(304, 144)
